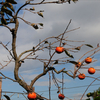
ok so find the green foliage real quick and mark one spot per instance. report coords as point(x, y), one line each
point(97, 98)
point(95, 95)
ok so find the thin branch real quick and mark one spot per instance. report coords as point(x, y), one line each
point(64, 33)
point(59, 71)
point(50, 59)
point(88, 87)
point(5, 65)
point(24, 21)
point(25, 52)
point(7, 27)
point(8, 77)
point(88, 52)
point(7, 49)
point(38, 76)
point(42, 1)
point(21, 8)
point(52, 2)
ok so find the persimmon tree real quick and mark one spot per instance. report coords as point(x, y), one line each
point(59, 45)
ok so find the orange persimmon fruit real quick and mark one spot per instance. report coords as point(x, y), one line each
point(59, 50)
point(91, 70)
point(88, 60)
point(81, 76)
point(61, 96)
point(31, 96)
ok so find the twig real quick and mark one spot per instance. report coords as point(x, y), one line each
point(5, 65)
point(88, 52)
point(64, 33)
point(8, 77)
point(42, 1)
point(29, 23)
point(7, 49)
point(7, 27)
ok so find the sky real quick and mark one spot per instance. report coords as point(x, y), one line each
point(84, 14)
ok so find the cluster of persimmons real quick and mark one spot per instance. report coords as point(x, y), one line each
point(81, 76)
point(91, 70)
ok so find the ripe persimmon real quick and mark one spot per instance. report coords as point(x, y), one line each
point(61, 96)
point(81, 76)
point(78, 64)
point(91, 70)
point(31, 96)
point(59, 50)
point(88, 60)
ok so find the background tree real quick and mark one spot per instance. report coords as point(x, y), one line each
point(10, 16)
point(95, 95)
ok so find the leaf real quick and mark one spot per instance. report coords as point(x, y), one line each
point(8, 12)
point(74, 1)
point(68, 54)
point(40, 14)
point(63, 43)
point(58, 91)
point(11, 1)
point(78, 48)
point(89, 94)
point(32, 8)
point(89, 45)
point(41, 10)
point(3, 21)
point(97, 98)
point(73, 62)
point(41, 24)
point(7, 97)
point(4, 9)
point(45, 42)
point(35, 26)
point(6, 4)
point(56, 62)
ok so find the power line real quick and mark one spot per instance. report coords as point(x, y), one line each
point(70, 87)
point(51, 90)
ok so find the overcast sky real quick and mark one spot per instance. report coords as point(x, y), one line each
point(84, 14)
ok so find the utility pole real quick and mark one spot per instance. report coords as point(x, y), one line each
point(0, 87)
